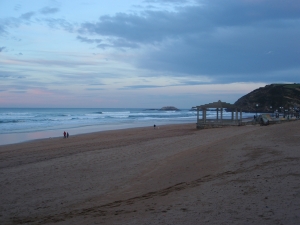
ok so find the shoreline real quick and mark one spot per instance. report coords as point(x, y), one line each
point(20, 137)
point(15, 138)
point(93, 132)
point(21, 125)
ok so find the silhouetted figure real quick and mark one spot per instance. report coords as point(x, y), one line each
point(65, 134)
point(154, 126)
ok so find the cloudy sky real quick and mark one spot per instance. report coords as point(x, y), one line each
point(144, 53)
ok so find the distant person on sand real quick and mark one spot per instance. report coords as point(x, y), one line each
point(64, 134)
point(67, 134)
point(154, 126)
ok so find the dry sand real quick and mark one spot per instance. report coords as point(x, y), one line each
point(172, 175)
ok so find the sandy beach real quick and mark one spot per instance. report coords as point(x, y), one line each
point(174, 174)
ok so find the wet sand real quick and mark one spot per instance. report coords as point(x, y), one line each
point(172, 175)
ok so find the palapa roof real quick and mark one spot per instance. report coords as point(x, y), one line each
point(218, 104)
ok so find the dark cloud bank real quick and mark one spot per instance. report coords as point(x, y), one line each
point(231, 41)
point(49, 10)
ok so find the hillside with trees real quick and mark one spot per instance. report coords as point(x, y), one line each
point(271, 98)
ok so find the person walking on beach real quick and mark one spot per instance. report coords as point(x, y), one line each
point(64, 134)
point(67, 134)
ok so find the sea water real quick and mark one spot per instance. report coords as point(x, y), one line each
point(25, 124)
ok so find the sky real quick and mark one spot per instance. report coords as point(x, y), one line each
point(144, 53)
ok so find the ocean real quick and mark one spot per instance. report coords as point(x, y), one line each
point(26, 124)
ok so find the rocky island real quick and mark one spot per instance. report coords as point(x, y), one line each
point(169, 108)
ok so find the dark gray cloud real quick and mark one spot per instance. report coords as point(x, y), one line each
point(30, 17)
point(10, 75)
point(88, 40)
point(94, 89)
point(247, 53)
point(53, 62)
point(180, 83)
point(59, 23)
point(153, 26)
point(2, 29)
point(7, 23)
point(19, 92)
point(27, 16)
point(190, 83)
point(141, 86)
point(119, 43)
point(12, 22)
point(17, 7)
point(21, 88)
point(81, 78)
point(4, 76)
point(96, 84)
point(228, 40)
point(166, 1)
point(49, 10)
